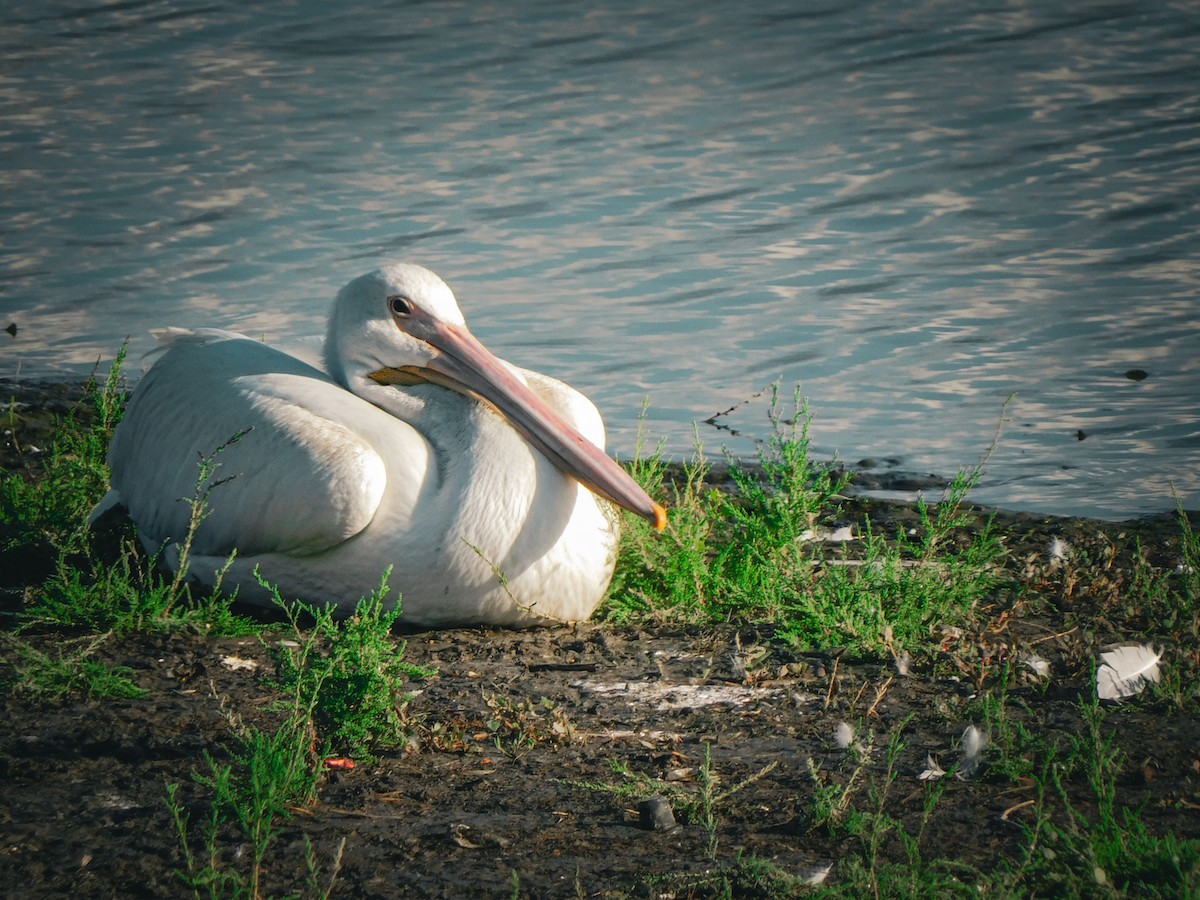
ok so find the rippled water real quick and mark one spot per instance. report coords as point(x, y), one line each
point(913, 212)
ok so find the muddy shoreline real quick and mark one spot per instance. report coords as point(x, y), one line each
point(529, 750)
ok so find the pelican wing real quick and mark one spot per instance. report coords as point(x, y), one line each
point(292, 473)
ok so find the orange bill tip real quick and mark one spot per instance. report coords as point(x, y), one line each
point(660, 518)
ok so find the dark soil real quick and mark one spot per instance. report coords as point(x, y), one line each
point(498, 786)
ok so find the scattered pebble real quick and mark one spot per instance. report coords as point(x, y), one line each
point(656, 813)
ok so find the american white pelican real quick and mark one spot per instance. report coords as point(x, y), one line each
point(415, 448)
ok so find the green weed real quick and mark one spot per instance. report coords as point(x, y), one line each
point(725, 555)
point(70, 672)
point(1189, 562)
point(833, 800)
point(1014, 747)
point(875, 828)
point(111, 587)
point(696, 803)
point(268, 774)
point(351, 671)
point(49, 507)
point(1104, 849)
point(699, 804)
point(634, 785)
point(342, 682)
point(88, 588)
point(1170, 605)
point(128, 595)
point(753, 553)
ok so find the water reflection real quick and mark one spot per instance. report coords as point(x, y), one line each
point(911, 211)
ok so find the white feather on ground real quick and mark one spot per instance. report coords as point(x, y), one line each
point(973, 742)
point(1125, 671)
point(933, 771)
point(1039, 665)
point(817, 874)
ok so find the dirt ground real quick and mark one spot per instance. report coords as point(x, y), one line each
point(501, 786)
point(83, 813)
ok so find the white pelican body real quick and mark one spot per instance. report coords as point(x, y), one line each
point(374, 462)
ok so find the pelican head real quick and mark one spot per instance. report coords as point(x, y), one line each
point(401, 325)
point(364, 336)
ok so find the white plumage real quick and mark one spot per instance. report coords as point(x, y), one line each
point(414, 448)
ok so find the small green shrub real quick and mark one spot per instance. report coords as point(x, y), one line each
point(353, 670)
point(755, 553)
point(70, 672)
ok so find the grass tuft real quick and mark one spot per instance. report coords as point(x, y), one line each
point(757, 553)
point(48, 506)
point(70, 672)
point(350, 671)
point(342, 683)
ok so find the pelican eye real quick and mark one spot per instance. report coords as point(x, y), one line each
point(399, 305)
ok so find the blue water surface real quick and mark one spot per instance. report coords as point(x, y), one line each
point(913, 212)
